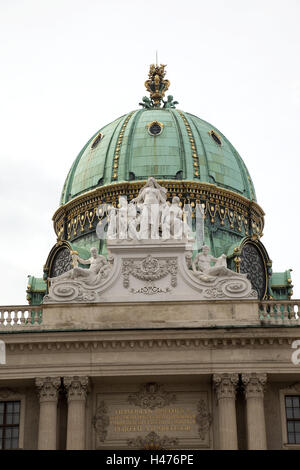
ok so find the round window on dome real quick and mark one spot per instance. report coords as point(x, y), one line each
point(215, 137)
point(97, 139)
point(155, 128)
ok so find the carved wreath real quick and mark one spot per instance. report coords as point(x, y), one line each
point(149, 269)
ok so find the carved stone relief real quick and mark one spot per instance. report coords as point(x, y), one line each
point(152, 396)
point(153, 441)
point(101, 421)
point(149, 269)
point(203, 419)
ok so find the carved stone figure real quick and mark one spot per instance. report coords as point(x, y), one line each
point(122, 218)
point(99, 269)
point(203, 270)
point(133, 221)
point(170, 103)
point(112, 227)
point(175, 218)
point(149, 199)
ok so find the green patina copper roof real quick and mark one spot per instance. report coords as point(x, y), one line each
point(166, 156)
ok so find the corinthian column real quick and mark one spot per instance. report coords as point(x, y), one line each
point(48, 393)
point(225, 387)
point(77, 388)
point(256, 427)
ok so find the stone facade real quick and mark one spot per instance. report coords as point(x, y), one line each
point(93, 376)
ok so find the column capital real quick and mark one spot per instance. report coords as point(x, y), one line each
point(225, 385)
point(47, 388)
point(254, 384)
point(77, 387)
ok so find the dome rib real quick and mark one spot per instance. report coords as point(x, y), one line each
point(128, 155)
point(183, 160)
point(204, 151)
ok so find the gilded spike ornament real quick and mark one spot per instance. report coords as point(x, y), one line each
point(157, 85)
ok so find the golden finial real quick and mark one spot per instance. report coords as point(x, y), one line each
point(156, 84)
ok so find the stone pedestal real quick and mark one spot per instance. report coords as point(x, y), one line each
point(256, 427)
point(76, 391)
point(150, 270)
point(225, 387)
point(48, 393)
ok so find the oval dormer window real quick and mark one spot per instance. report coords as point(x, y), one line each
point(215, 137)
point(97, 139)
point(155, 128)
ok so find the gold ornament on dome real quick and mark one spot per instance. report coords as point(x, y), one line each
point(157, 85)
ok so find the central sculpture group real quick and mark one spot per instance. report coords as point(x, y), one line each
point(148, 216)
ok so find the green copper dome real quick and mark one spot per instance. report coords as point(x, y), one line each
point(164, 143)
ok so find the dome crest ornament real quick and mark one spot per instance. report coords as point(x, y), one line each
point(157, 85)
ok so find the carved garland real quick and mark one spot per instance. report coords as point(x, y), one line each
point(101, 421)
point(203, 419)
point(149, 269)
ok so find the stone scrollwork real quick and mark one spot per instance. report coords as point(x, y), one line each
point(79, 284)
point(203, 419)
point(153, 441)
point(47, 388)
point(149, 269)
point(101, 421)
point(254, 384)
point(151, 396)
point(77, 387)
point(229, 288)
point(221, 282)
point(225, 385)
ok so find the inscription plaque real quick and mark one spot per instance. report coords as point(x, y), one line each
point(152, 417)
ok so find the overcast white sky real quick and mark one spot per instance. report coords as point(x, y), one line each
point(68, 67)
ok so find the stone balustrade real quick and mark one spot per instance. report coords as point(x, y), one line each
point(19, 316)
point(269, 313)
point(280, 312)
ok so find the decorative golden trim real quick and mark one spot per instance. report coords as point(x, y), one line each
point(115, 165)
point(241, 213)
point(193, 145)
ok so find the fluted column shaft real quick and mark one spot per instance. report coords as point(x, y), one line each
point(225, 387)
point(254, 385)
point(48, 394)
point(77, 388)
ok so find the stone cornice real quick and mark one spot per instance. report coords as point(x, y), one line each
point(140, 340)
